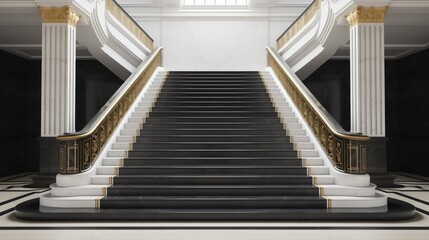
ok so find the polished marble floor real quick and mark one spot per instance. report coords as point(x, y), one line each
point(415, 190)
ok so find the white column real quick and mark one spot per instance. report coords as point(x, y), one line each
point(367, 75)
point(58, 70)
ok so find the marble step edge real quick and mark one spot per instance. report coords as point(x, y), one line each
point(136, 132)
point(124, 153)
point(93, 201)
point(129, 145)
point(114, 170)
point(139, 125)
point(109, 179)
point(119, 162)
point(131, 139)
point(326, 191)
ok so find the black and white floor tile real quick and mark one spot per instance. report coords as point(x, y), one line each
point(13, 191)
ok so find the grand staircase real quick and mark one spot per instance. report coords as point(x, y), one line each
point(213, 146)
point(213, 141)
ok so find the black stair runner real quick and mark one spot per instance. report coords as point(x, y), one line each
point(213, 143)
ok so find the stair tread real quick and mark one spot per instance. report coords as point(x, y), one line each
point(223, 158)
point(213, 198)
point(211, 150)
point(212, 176)
point(301, 186)
point(210, 166)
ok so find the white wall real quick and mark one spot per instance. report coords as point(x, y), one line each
point(214, 44)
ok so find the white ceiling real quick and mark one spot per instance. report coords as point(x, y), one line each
point(406, 26)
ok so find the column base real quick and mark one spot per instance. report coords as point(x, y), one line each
point(48, 163)
point(376, 161)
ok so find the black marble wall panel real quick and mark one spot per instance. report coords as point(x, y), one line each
point(330, 84)
point(20, 112)
point(95, 84)
point(407, 114)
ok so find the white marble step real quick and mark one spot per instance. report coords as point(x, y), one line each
point(288, 120)
point(107, 170)
point(308, 153)
point(140, 114)
point(71, 201)
point(130, 132)
point(146, 108)
point(304, 146)
point(136, 120)
point(113, 162)
point(338, 190)
point(102, 179)
point(283, 108)
point(312, 161)
point(87, 190)
point(117, 153)
point(317, 170)
point(129, 139)
point(286, 114)
point(291, 126)
point(323, 179)
point(133, 126)
point(296, 132)
point(298, 139)
point(378, 200)
point(122, 145)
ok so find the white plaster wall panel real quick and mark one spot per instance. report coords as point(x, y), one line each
point(214, 45)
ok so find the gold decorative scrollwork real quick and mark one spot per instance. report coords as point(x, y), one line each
point(102, 133)
point(109, 125)
point(317, 126)
point(331, 145)
point(94, 144)
point(86, 153)
point(339, 152)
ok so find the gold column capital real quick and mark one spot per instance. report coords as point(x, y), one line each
point(362, 14)
point(64, 14)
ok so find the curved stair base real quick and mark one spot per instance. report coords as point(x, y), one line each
point(396, 210)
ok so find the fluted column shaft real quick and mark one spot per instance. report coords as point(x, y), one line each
point(367, 71)
point(58, 70)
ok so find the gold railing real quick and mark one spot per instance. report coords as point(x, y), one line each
point(299, 23)
point(119, 13)
point(79, 150)
point(347, 151)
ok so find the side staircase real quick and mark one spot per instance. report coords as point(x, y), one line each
point(214, 146)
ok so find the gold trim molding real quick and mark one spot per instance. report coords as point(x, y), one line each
point(64, 14)
point(362, 14)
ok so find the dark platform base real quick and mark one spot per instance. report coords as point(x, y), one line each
point(383, 180)
point(397, 210)
point(42, 180)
